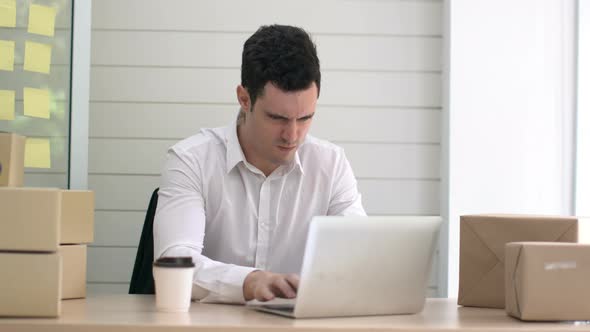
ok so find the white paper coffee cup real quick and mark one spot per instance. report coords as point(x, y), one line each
point(173, 278)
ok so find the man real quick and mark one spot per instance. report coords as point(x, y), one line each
point(239, 199)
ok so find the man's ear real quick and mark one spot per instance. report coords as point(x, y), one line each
point(243, 98)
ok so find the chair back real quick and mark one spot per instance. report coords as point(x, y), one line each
point(142, 280)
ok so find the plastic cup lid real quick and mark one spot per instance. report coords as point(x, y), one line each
point(175, 262)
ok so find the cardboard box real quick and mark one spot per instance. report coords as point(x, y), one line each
point(77, 217)
point(73, 259)
point(38, 219)
point(12, 159)
point(548, 281)
point(30, 284)
point(482, 241)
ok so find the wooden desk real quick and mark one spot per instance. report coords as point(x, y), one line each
point(133, 312)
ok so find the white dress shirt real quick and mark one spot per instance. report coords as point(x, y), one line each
point(216, 207)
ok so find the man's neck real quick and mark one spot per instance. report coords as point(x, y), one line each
point(265, 167)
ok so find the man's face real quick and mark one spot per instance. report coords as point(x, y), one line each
point(277, 125)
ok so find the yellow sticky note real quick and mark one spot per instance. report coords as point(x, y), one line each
point(7, 55)
point(36, 103)
point(37, 153)
point(8, 13)
point(37, 57)
point(41, 20)
point(6, 105)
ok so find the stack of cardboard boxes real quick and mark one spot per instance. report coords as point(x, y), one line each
point(533, 266)
point(43, 237)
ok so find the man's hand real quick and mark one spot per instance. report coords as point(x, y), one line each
point(265, 286)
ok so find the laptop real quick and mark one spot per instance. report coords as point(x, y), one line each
point(355, 266)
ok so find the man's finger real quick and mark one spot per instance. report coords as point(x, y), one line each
point(284, 288)
point(293, 280)
point(263, 293)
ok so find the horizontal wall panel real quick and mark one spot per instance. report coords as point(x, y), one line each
point(107, 288)
point(187, 85)
point(122, 192)
point(110, 264)
point(381, 89)
point(382, 125)
point(177, 121)
point(397, 161)
point(367, 160)
point(134, 156)
point(115, 192)
point(185, 49)
point(351, 17)
point(118, 228)
point(115, 265)
point(380, 53)
point(170, 49)
point(402, 197)
point(146, 120)
point(178, 85)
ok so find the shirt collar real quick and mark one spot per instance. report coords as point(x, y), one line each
point(297, 162)
point(235, 154)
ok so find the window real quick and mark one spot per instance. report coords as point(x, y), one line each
point(35, 68)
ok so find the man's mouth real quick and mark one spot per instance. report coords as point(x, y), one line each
point(287, 148)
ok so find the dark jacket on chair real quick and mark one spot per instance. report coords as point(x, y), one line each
point(142, 280)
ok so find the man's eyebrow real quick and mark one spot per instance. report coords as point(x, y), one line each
point(278, 116)
point(274, 115)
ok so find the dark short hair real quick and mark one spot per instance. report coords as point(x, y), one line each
point(283, 55)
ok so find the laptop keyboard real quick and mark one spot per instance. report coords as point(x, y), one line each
point(281, 308)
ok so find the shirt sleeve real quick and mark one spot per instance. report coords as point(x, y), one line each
point(179, 230)
point(345, 198)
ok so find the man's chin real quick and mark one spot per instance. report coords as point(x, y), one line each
point(284, 160)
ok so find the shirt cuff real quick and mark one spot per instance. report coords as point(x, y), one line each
point(232, 290)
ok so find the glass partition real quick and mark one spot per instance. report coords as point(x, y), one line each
point(35, 76)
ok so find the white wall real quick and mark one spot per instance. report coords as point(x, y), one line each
point(163, 69)
point(583, 112)
point(509, 117)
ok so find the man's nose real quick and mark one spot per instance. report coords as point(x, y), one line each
point(290, 132)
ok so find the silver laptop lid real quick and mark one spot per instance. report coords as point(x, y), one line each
point(357, 265)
